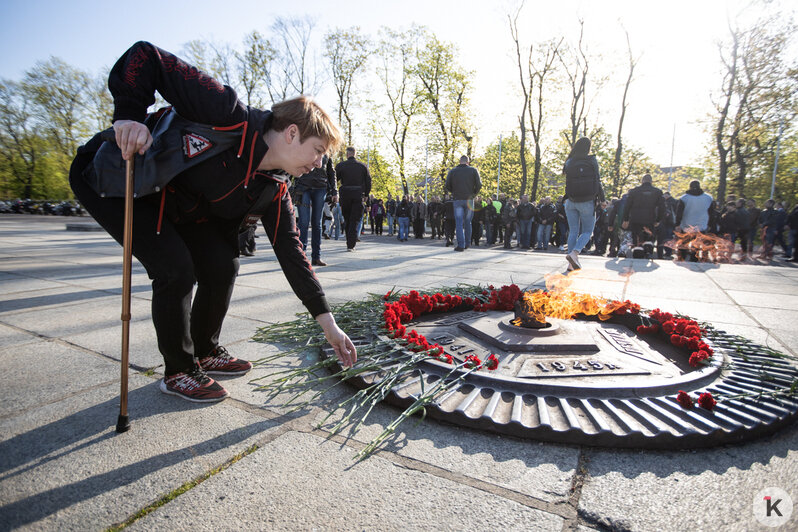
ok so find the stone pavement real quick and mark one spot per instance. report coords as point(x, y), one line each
point(246, 465)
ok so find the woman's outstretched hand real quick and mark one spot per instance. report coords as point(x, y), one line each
point(340, 342)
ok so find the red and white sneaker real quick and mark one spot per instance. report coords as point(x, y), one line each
point(193, 385)
point(220, 362)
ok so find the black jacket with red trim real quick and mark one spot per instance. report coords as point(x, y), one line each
point(225, 185)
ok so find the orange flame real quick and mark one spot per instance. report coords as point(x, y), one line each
point(560, 303)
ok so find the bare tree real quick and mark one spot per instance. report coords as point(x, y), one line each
point(296, 70)
point(255, 68)
point(400, 86)
point(348, 52)
point(616, 164)
point(576, 69)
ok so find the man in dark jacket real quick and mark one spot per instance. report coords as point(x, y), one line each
point(187, 221)
point(644, 208)
point(464, 183)
point(547, 213)
point(311, 191)
point(355, 184)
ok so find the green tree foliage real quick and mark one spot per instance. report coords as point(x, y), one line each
point(511, 178)
point(758, 94)
point(43, 119)
point(444, 86)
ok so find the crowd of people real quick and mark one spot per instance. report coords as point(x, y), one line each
point(645, 222)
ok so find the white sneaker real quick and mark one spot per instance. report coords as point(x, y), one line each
point(573, 260)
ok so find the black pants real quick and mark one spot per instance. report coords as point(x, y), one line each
point(182, 255)
point(448, 228)
point(418, 227)
point(352, 208)
point(378, 223)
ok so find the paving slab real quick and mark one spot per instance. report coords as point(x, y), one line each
point(11, 336)
point(38, 372)
point(76, 473)
point(541, 471)
point(301, 482)
point(694, 490)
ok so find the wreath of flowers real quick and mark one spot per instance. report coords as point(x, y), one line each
point(682, 332)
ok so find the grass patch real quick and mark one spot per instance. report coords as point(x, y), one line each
point(181, 490)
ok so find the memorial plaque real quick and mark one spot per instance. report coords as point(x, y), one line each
point(598, 383)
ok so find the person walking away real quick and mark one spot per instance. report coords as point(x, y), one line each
point(354, 184)
point(642, 214)
point(403, 217)
point(526, 216)
point(230, 169)
point(311, 191)
point(464, 183)
point(692, 213)
point(582, 189)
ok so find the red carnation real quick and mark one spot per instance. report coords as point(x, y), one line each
point(472, 361)
point(492, 362)
point(448, 358)
point(705, 400)
point(668, 326)
point(684, 399)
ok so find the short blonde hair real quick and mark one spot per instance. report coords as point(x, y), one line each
point(310, 118)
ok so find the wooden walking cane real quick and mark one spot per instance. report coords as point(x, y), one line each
point(123, 424)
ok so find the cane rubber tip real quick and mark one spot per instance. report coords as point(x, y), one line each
point(122, 424)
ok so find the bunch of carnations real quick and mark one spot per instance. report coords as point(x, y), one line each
point(414, 304)
point(681, 332)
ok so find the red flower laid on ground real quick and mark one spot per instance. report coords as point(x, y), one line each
point(492, 362)
point(472, 361)
point(684, 399)
point(705, 400)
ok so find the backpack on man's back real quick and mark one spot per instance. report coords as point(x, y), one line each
point(581, 180)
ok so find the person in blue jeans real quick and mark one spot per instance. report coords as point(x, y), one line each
point(311, 191)
point(547, 213)
point(403, 217)
point(464, 183)
point(582, 189)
